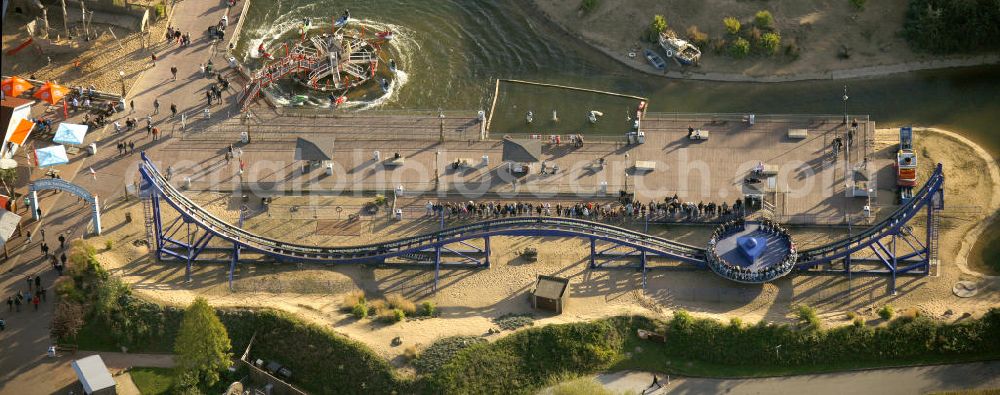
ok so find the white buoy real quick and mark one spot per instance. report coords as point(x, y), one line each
point(555, 117)
point(530, 117)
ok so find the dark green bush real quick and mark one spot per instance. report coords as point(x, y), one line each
point(441, 351)
point(588, 5)
point(527, 360)
point(950, 26)
point(740, 47)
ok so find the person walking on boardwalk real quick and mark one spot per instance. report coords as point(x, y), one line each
point(131, 147)
point(35, 300)
point(38, 282)
point(62, 241)
point(28, 280)
point(131, 103)
point(173, 110)
point(156, 106)
point(173, 72)
point(17, 303)
point(42, 292)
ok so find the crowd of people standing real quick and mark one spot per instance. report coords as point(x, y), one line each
point(669, 210)
point(745, 273)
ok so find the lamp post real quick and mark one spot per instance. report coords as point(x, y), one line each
point(776, 355)
point(121, 78)
point(845, 104)
point(441, 117)
point(626, 172)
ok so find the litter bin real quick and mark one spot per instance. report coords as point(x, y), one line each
point(329, 169)
point(92, 149)
point(486, 160)
point(640, 137)
point(245, 137)
point(399, 214)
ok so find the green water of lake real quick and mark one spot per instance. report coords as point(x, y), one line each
point(452, 51)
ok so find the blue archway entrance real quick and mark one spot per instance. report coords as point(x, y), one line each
point(63, 185)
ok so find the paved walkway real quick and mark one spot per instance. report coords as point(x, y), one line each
point(908, 381)
point(24, 368)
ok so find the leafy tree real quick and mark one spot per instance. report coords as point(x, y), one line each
point(764, 20)
point(949, 26)
point(858, 4)
point(202, 346)
point(8, 177)
point(657, 26)
point(732, 24)
point(740, 47)
point(770, 42)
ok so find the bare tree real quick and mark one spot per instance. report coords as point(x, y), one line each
point(67, 321)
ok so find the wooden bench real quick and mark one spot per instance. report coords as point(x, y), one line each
point(644, 165)
point(395, 162)
point(798, 134)
point(699, 134)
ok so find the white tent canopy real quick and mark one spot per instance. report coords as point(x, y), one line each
point(70, 133)
point(51, 156)
point(93, 374)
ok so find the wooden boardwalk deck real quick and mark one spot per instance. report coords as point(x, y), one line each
point(809, 186)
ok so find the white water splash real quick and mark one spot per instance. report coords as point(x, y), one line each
point(401, 48)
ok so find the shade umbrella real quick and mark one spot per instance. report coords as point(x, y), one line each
point(15, 86)
point(70, 133)
point(51, 92)
point(51, 156)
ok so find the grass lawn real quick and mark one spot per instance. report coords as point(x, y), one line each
point(96, 336)
point(152, 381)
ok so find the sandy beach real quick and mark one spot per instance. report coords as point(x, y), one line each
point(469, 299)
point(818, 29)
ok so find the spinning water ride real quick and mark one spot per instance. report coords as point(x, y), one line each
point(333, 62)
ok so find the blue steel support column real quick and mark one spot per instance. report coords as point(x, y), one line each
point(643, 270)
point(487, 252)
point(190, 251)
point(593, 252)
point(157, 225)
point(892, 281)
point(232, 264)
point(437, 263)
point(928, 242)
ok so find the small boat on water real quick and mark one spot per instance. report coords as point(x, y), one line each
point(655, 59)
point(593, 114)
point(392, 65)
point(385, 85)
point(555, 116)
point(530, 117)
point(385, 35)
point(681, 50)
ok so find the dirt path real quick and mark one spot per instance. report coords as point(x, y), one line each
point(909, 380)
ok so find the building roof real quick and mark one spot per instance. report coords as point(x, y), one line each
point(15, 102)
point(93, 374)
point(550, 287)
point(315, 148)
point(525, 151)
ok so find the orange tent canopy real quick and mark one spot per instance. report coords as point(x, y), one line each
point(21, 132)
point(51, 92)
point(15, 86)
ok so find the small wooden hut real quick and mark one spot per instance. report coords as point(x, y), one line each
point(550, 293)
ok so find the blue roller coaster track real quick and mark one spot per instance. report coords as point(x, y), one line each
point(193, 228)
